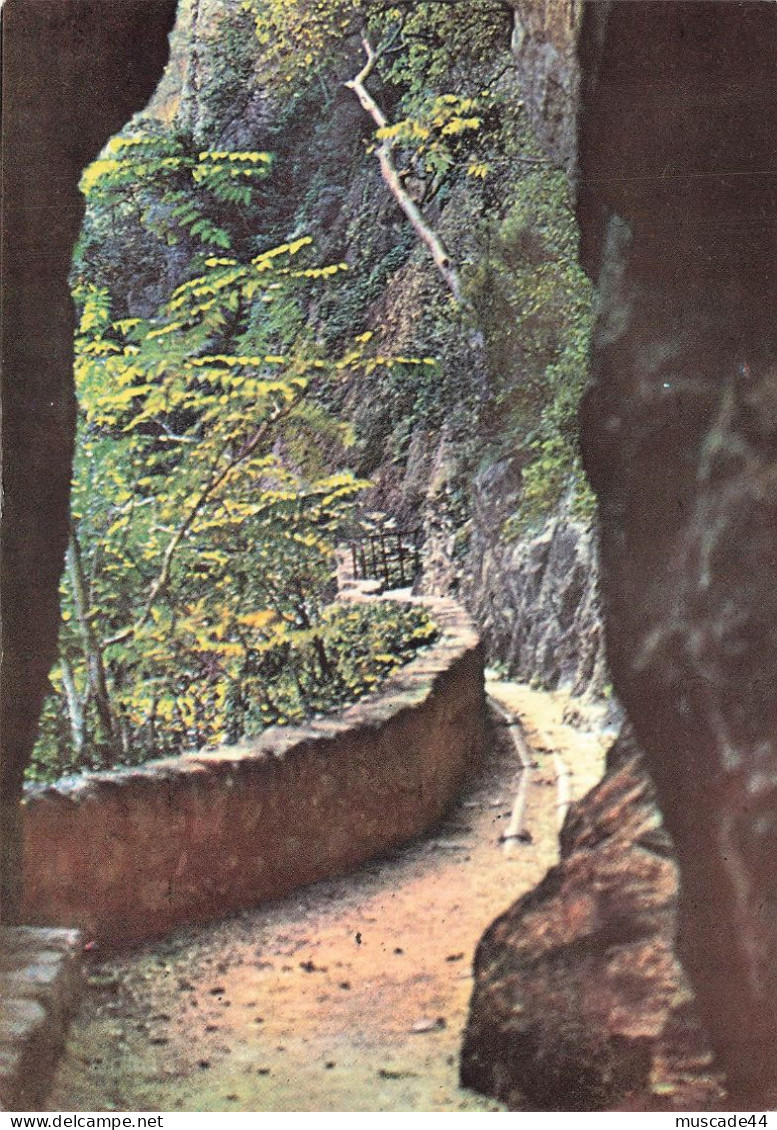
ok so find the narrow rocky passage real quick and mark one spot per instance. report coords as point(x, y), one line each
point(350, 995)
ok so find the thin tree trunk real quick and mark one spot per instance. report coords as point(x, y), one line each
point(319, 646)
point(217, 479)
point(75, 708)
point(93, 650)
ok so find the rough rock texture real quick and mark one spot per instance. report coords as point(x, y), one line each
point(577, 983)
point(536, 599)
point(543, 43)
point(238, 114)
point(678, 196)
point(74, 71)
point(131, 853)
point(676, 201)
point(40, 984)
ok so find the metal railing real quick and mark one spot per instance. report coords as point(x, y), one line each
point(391, 556)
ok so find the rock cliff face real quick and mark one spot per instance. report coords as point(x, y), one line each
point(75, 71)
point(536, 597)
point(680, 432)
point(51, 136)
point(676, 178)
point(209, 87)
point(544, 45)
point(676, 174)
point(578, 989)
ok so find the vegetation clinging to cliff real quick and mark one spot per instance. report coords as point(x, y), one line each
point(205, 513)
point(444, 301)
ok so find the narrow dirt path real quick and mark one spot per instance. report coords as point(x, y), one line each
point(350, 995)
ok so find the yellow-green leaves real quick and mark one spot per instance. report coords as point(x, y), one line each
point(205, 511)
point(146, 168)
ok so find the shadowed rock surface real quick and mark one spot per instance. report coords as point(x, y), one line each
point(536, 599)
point(74, 71)
point(40, 986)
point(576, 984)
point(677, 202)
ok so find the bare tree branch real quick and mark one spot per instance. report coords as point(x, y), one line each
point(393, 181)
point(75, 706)
point(93, 648)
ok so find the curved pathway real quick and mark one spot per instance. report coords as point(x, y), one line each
point(350, 995)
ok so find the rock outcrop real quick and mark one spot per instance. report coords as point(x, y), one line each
point(678, 196)
point(577, 986)
point(74, 72)
point(676, 202)
point(40, 987)
point(536, 597)
point(544, 45)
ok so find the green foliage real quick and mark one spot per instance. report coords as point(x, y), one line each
point(536, 307)
point(168, 205)
point(205, 503)
point(213, 478)
point(270, 677)
point(302, 40)
point(196, 501)
point(206, 545)
point(143, 167)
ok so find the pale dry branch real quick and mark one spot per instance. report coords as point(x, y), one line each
point(393, 181)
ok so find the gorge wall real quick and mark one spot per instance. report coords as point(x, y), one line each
point(544, 42)
point(49, 139)
point(676, 201)
point(536, 598)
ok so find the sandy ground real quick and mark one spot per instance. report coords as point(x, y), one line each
point(350, 995)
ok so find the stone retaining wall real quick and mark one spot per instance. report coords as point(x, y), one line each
point(40, 985)
point(131, 853)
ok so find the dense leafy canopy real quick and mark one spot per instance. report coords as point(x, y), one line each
point(219, 355)
point(204, 517)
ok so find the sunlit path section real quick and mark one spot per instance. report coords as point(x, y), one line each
point(349, 995)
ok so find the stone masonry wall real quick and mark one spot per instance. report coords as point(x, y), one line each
point(132, 853)
point(40, 985)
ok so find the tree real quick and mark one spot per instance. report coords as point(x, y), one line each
point(302, 41)
point(200, 538)
point(204, 512)
point(164, 201)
